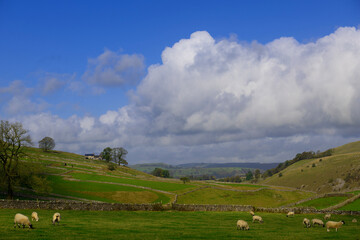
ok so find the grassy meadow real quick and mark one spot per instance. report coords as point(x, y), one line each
point(169, 225)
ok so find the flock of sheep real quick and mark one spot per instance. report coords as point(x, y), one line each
point(243, 225)
point(22, 220)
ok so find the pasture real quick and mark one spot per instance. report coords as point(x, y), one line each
point(169, 225)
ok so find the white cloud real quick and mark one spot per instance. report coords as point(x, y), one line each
point(225, 101)
point(111, 69)
point(17, 99)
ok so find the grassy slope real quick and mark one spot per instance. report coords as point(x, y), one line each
point(169, 225)
point(321, 178)
point(70, 175)
point(262, 198)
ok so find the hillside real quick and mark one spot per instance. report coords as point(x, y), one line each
point(219, 170)
point(338, 172)
point(73, 177)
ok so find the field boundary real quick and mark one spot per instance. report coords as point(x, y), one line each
point(99, 206)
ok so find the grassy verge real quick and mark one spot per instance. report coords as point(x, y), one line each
point(168, 225)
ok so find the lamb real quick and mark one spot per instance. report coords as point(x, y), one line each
point(56, 218)
point(332, 224)
point(317, 221)
point(35, 216)
point(252, 213)
point(327, 216)
point(22, 220)
point(306, 222)
point(242, 225)
point(290, 214)
point(354, 220)
point(257, 218)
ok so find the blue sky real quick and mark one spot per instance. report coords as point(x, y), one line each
point(176, 81)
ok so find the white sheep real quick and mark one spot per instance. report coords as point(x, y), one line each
point(306, 222)
point(317, 221)
point(252, 213)
point(332, 224)
point(327, 216)
point(257, 218)
point(35, 216)
point(354, 220)
point(22, 220)
point(290, 214)
point(56, 218)
point(241, 224)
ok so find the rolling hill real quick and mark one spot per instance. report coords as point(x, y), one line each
point(219, 170)
point(339, 172)
point(73, 177)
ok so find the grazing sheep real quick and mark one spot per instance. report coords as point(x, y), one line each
point(354, 220)
point(306, 222)
point(257, 218)
point(332, 224)
point(22, 220)
point(242, 225)
point(290, 214)
point(252, 213)
point(56, 218)
point(35, 216)
point(317, 221)
point(327, 216)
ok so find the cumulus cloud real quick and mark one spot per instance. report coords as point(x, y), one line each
point(18, 99)
point(112, 70)
point(214, 101)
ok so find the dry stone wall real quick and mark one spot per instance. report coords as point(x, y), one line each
point(97, 206)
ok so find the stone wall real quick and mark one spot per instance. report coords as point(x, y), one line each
point(97, 206)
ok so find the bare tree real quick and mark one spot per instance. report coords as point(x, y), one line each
point(46, 144)
point(13, 138)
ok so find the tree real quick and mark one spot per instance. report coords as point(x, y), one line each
point(249, 175)
point(118, 155)
point(13, 138)
point(185, 179)
point(46, 144)
point(106, 154)
point(257, 174)
point(159, 172)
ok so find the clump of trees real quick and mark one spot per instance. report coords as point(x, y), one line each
point(298, 157)
point(14, 172)
point(159, 172)
point(116, 155)
point(47, 144)
point(236, 178)
point(185, 179)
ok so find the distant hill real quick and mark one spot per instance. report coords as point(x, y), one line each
point(219, 170)
point(338, 172)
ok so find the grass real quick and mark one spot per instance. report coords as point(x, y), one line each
point(165, 186)
point(354, 206)
point(168, 225)
point(321, 203)
point(322, 177)
point(262, 198)
point(105, 192)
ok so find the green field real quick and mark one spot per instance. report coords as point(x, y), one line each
point(169, 225)
point(321, 203)
point(354, 206)
point(262, 198)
